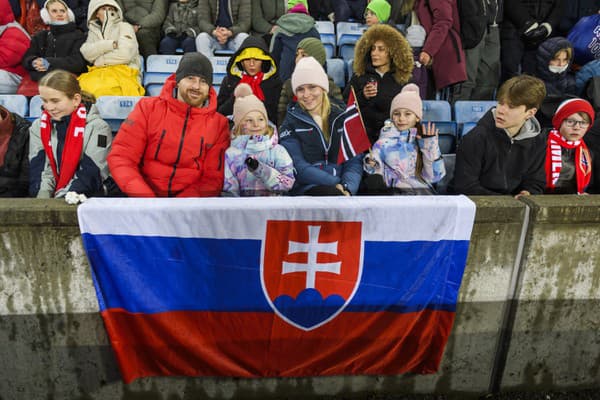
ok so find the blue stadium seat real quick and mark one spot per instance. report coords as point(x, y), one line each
point(327, 32)
point(159, 67)
point(35, 108)
point(467, 113)
point(449, 163)
point(219, 65)
point(114, 109)
point(15, 103)
point(440, 113)
point(154, 89)
point(223, 53)
point(349, 69)
point(336, 68)
point(347, 35)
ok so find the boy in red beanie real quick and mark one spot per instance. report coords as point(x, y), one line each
point(568, 160)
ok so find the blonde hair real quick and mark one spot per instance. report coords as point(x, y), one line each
point(568, 50)
point(66, 82)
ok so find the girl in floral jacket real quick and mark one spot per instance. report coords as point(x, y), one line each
point(255, 165)
point(406, 159)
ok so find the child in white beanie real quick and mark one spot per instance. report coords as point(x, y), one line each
point(406, 159)
point(255, 164)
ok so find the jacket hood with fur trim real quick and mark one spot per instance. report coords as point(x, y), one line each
point(400, 51)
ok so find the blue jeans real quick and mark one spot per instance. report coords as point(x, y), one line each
point(169, 45)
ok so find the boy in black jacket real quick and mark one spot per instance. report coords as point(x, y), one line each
point(505, 153)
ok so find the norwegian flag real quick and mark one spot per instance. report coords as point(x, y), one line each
point(354, 138)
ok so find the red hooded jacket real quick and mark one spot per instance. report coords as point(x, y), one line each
point(14, 41)
point(167, 148)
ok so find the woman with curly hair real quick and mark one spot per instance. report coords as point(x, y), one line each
point(383, 64)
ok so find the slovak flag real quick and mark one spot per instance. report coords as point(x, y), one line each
point(354, 138)
point(277, 287)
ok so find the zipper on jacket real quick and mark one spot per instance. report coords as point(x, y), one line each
point(160, 140)
point(187, 116)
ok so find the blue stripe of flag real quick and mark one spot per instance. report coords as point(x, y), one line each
point(158, 274)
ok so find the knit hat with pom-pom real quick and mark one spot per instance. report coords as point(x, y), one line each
point(245, 102)
point(409, 99)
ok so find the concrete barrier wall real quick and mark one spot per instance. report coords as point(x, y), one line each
point(528, 313)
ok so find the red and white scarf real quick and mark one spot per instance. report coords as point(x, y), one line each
point(583, 162)
point(71, 152)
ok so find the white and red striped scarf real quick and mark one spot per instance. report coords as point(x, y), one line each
point(583, 162)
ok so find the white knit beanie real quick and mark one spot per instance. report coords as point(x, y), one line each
point(308, 71)
point(245, 102)
point(409, 99)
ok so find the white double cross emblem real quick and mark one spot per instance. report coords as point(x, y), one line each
point(313, 247)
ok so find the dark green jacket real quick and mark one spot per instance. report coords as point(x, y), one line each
point(265, 14)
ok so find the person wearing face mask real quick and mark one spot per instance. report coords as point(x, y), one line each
point(112, 49)
point(554, 59)
point(58, 47)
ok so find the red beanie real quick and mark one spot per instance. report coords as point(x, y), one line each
point(570, 107)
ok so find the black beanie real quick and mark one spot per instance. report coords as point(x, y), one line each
point(194, 64)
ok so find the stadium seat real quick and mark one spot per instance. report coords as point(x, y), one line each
point(114, 109)
point(15, 103)
point(349, 69)
point(35, 108)
point(347, 35)
point(327, 32)
point(154, 89)
point(159, 67)
point(449, 163)
point(440, 113)
point(467, 113)
point(219, 65)
point(336, 68)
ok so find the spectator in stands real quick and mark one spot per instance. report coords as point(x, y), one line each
point(442, 50)
point(14, 151)
point(224, 24)
point(554, 60)
point(69, 142)
point(146, 17)
point(14, 42)
point(526, 24)
point(568, 160)
point(592, 140)
point(291, 29)
point(377, 12)
point(251, 64)
point(180, 27)
point(383, 63)
point(112, 48)
point(265, 14)
point(255, 165)
point(57, 48)
point(400, 12)
point(406, 159)
point(311, 134)
point(309, 47)
point(480, 33)
point(173, 145)
point(80, 9)
point(505, 152)
point(320, 10)
point(349, 10)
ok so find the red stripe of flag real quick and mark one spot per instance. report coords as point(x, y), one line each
point(354, 138)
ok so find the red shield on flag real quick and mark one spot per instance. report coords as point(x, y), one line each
point(311, 269)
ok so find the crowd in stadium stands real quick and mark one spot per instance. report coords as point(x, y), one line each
point(279, 120)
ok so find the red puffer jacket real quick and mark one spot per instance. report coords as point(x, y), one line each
point(14, 41)
point(166, 148)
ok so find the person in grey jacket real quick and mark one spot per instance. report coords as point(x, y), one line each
point(146, 17)
point(69, 143)
point(265, 14)
point(224, 25)
point(180, 27)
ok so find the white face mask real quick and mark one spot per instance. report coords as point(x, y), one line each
point(59, 22)
point(557, 70)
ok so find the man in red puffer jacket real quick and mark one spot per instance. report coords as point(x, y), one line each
point(173, 145)
point(14, 42)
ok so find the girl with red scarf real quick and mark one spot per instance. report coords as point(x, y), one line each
point(69, 142)
point(568, 160)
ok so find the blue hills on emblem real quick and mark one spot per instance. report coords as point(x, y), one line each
point(309, 308)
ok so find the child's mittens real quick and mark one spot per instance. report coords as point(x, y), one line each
point(251, 163)
point(371, 165)
point(75, 198)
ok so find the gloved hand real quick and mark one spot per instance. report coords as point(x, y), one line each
point(528, 27)
point(251, 163)
point(537, 35)
point(172, 34)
